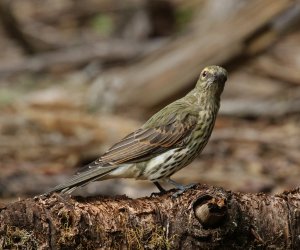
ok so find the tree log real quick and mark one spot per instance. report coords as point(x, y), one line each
point(202, 218)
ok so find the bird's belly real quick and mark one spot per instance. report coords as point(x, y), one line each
point(161, 166)
point(124, 171)
point(166, 164)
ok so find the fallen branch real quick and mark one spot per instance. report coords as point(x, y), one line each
point(201, 218)
point(171, 69)
point(260, 108)
point(103, 51)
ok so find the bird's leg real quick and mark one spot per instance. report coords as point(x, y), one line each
point(181, 188)
point(160, 188)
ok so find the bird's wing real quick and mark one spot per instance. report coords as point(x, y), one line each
point(167, 129)
point(145, 143)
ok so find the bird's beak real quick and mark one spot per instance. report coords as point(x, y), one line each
point(220, 77)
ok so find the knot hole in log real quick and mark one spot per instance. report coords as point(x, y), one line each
point(210, 211)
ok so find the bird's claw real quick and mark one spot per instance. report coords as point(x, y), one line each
point(157, 193)
point(182, 189)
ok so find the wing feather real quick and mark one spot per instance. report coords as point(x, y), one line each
point(146, 143)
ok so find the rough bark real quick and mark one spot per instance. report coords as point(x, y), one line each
point(202, 218)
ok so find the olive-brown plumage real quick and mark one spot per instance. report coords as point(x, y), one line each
point(167, 142)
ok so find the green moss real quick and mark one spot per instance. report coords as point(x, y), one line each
point(151, 237)
point(102, 24)
point(16, 238)
point(183, 17)
point(67, 231)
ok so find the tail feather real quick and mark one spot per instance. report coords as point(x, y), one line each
point(83, 178)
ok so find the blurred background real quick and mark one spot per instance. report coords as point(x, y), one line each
point(76, 76)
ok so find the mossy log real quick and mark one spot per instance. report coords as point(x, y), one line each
point(203, 217)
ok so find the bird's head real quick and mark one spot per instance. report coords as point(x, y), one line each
point(212, 80)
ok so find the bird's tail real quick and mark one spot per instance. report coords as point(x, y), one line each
point(82, 178)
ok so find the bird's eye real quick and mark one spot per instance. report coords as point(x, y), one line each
point(204, 73)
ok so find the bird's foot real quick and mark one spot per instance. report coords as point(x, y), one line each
point(182, 189)
point(160, 188)
point(157, 193)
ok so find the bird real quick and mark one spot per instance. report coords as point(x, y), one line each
point(170, 140)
